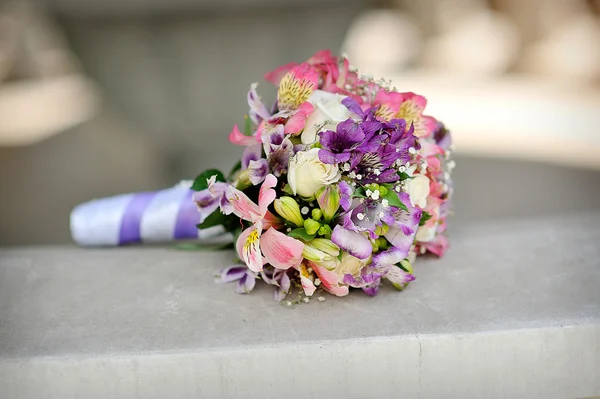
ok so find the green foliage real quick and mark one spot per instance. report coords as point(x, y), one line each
point(301, 234)
point(393, 200)
point(425, 216)
point(200, 181)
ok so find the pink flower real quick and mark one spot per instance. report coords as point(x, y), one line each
point(279, 250)
point(237, 137)
point(296, 86)
point(389, 104)
point(411, 110)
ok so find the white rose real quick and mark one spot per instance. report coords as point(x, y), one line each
point(307, 174)
point(418, 190)
point(329, 112)
point(426, 234)
point(350, 265)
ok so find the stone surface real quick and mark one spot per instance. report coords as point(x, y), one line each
point(513, 310)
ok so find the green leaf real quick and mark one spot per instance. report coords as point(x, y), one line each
point(393, 200)
point(359, 193)
point(200, 181)
point(301, 234)
point(287, 189)
point(425, 216)
point(404, 176)
point(247, 126)
point(235, 168)
point(214, 219)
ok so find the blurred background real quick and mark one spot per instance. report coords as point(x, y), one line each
point(104, 97)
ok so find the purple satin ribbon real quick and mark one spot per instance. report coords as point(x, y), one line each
point(130, 225)
point(187, 219)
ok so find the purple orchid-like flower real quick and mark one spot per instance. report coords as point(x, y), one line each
point(278, 278)
point(402, 232)
point(278, 148)
point(245, 277)
point(257, 166)
point(337, 146)
point(209, 199)
point(258, 110)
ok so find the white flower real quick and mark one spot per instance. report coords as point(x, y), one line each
point(329, 112)
point(418, 190)
point(426, 234)
point(307, 174)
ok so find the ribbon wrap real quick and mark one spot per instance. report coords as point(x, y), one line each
point(148, 217)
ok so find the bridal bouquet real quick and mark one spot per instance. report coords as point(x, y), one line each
point(342, 183)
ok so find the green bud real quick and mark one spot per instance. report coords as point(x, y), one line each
point(317, 214)
point(325, 245)
point(311, 226)
point(375, 245)
point(328, 198)
point(288, 208)
point(313, 254)
point(383, 191)
point(382, 230)
point(325, 231)
point(383, 243)
point(405, 264)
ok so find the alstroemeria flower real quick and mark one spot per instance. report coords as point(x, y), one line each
point(246, 278)
point(279, 250)
point(402, 233)
point(258, 110)
point(353, 242)
point(388, 104)
point(411, 110)
point(296, 87)
point(211, 198)
point(337, 146)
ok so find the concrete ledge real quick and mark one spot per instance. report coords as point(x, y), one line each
point(513, 311)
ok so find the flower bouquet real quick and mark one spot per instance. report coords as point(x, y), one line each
point(342, 183)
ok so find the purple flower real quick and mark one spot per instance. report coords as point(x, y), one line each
point(210, 199)
point(356, 244)
point(278, 149)
point(278, 278)
point(245, 277)
point(258, 111)
point(402, 233)
point(337, 146)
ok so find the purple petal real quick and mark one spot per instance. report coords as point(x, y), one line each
point(232, 273)
point(390, 257)
point(258, 170)
point(345, 195)
point(354, 243)
point(353, 106)
point(251, 153)
point(258, 111)
point(349, 133)
point(398, 276)
point(246, 283)
point(328, 138)
point(327, 156)
point(371, 290)
point(206, 203)
point(398, 239)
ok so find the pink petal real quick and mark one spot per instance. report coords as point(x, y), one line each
point(307, 285)
point(322, 57)
point(276, 75)
point(296, 123)
point(418, 102)
point(439, 246)
point(266, 194)
point(281, 251)
point(329, 280)
point(236, 137)
point(296, 86)
point(243, 206)
point(248, 249)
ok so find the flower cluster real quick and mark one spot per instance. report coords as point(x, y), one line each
point(342, 183)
